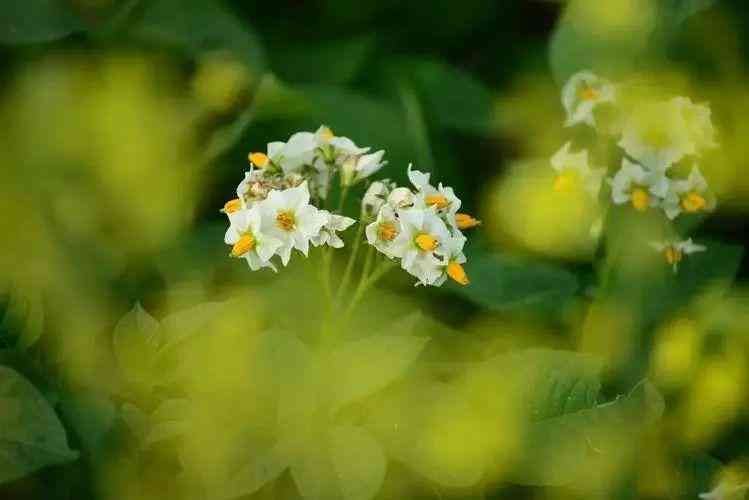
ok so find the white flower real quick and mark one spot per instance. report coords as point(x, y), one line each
point(248, 240)
point(375, 197)
point(358, 167)
point(633, 184)
point(656, 135)
point(383, 232)
point(582, 93)
point(574, 170)
point(288, 216)
point(674, 251)
point(400, 197)
point(441, 198)
point(453, 259)
point(690, 195)
point(423, 233)
point(328, 234)
point(298, 151)
point(698, 122)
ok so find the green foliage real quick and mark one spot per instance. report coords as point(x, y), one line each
point(502, 282)
point(31, 436)
point(33, 21)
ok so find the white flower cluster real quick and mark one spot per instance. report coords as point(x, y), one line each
point(419, 226)
point(654, 136)
point(277, 209)
point(273, 213)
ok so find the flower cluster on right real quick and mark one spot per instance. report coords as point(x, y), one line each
point(657, 138)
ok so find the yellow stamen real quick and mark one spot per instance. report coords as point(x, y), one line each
point(232, 206)
point(465, 221)
point(589, 94)
point(260, 160)
point(672, 255)
point(386, 231)
point(326, 134)
point(566, 181)
point(693, 202)
point(437, 200)
point(426, 242)
point(244, 245)
point(457, 273)
point(285, 220)
point(640, 199)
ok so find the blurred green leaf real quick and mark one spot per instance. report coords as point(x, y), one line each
point(677, 11)
point(91, 416)
point(136, 338)
point(199, 26)
point(365, 366)
point(556, 382)
point(578, 447)
point(344, 463)
point(31, 436)
point(454, 98)
point(330, 62)
point(501, 282)
point(33, 21)
point(24, 316)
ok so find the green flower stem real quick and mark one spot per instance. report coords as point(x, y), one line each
point(351, 261)
point(342, 200)
point(365, 284)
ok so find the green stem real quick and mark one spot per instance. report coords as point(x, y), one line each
point(365, 284)
point(351, 261)
point(342, 200)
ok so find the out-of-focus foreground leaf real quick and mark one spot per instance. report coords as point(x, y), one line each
point(31, 436)
point(32, 21)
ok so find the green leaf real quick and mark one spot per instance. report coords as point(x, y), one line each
point(333, 62)
point(579, 447)
point(137, 338)
point(363, 367)
point(199, 26)
point(345, 463)
point(24, 315)
point(501, 282)
point(453, 98)
point(261, 467)
point(31, 436)
point(677, 11)
point(33, 21)
point(91, 416)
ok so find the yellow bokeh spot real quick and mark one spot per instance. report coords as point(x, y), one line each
point(676, 353)
point(567, 181)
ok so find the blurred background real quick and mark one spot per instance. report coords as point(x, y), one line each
point(138, 361)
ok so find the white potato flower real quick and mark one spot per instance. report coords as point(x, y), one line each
point(574, 171)
point(376, 196)
point(289, 217)
point(423, 233)
point(633, 184)
point(248, 240)
point(657, 135)
point(356, 168)
point(582, 93)
point(442, 198)
point(674, 251)
point(329, 233)
point(453, 259)
point(400, 197)
point(690, 195)
point(383, 232)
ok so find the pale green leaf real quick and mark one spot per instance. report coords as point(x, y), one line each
point(358, 461)
point(136, 339)
point(33, 21)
